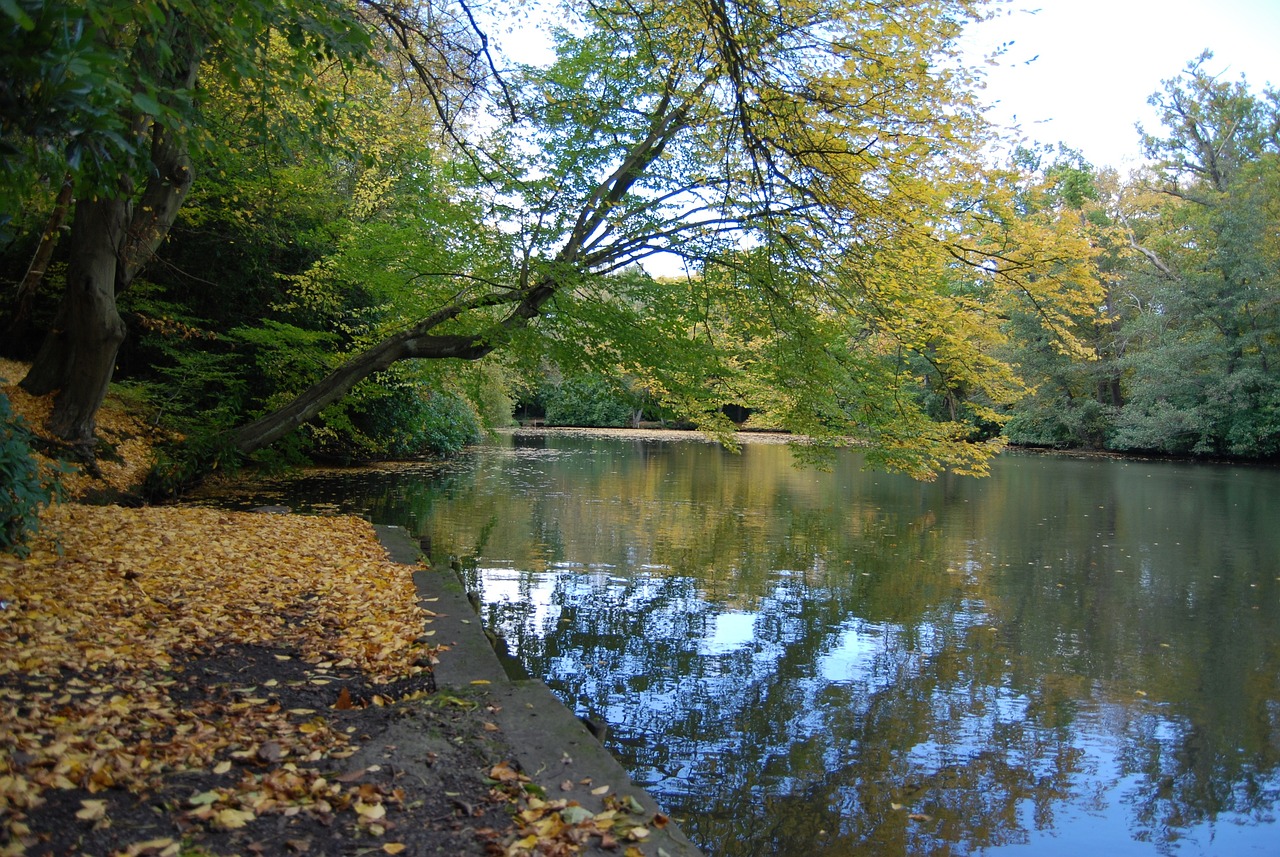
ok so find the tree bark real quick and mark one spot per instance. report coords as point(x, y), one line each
point(79, 353)
point(416, 342)
point(112, 238)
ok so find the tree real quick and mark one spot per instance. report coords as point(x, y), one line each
point(817, 168)
point(108, 92)
point(1075, 392)
point(1207, 294)
point(814, 165)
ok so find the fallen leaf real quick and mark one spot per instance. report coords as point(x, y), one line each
point(92, 810)
point(233, 819)
point(503, 773)
point(394, 847)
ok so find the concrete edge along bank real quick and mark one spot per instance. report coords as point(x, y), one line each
point(546, 739)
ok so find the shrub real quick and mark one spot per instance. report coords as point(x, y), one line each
point(587, 401)
point(397, 419)
point(24, 489)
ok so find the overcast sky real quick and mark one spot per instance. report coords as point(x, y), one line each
point(1080, 71)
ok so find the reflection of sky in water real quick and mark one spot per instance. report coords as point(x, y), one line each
point(731, 660)
point(1068, 657)
point(855, 650)
point(728, 632)
point(727, 700)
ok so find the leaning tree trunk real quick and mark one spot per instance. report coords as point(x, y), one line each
point(417, 342)
point(79, 353)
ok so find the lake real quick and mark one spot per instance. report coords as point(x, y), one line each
point(1072, 654)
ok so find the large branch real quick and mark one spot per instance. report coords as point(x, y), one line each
point(416, 342)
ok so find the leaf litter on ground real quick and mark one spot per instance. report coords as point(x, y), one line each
point(177, 677)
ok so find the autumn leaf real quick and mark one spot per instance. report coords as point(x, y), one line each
point(92, 810)
point(503, 773)
point(233, 819)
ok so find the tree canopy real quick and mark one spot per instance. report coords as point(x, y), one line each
point(329, 223)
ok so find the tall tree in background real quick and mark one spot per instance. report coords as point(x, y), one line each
point(1205, 321)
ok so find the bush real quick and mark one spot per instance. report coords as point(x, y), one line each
point(1061, 424)
point(24, 490)
point(396, 419)
point(587, 401)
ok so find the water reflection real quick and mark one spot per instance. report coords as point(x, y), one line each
point(1069, 655)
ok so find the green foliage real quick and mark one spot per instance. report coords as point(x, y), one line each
point(24, 490)
point(447, 423)
point(390, 418)
point(81, 77)
point(587, 401)
point(1061, 424)
point(1183, 351)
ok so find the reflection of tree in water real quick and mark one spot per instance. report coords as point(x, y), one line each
point(894, 684)
point(833, 764)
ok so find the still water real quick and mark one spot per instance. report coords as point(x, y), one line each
point(1070, 656)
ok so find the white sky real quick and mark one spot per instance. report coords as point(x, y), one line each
point(1097, 61)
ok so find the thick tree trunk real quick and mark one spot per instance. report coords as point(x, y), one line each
point(111, 240)
point(79, 353)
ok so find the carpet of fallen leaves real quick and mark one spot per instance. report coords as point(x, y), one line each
point(187, 681)
point(125, 440)
point(109, 633)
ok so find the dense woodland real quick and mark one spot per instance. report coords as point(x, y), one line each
point(358, 229)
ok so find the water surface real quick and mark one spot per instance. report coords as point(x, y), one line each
point(1072, 654)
